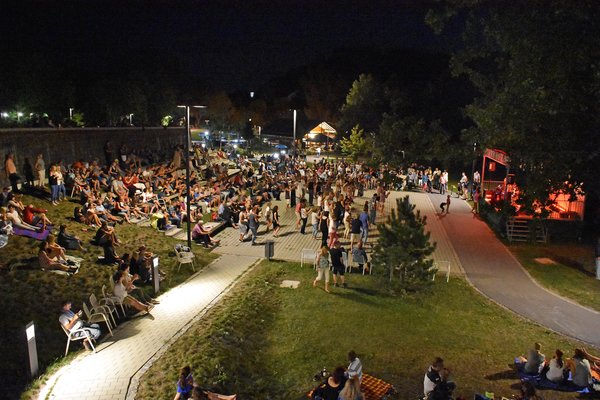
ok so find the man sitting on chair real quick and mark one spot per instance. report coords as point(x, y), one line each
point(359, 255)
point(72, 321)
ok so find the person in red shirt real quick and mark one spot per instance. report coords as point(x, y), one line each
point(33, 216)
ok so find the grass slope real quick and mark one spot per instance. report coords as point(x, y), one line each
point(566, 280)
point(266, 342)
point(29, 294)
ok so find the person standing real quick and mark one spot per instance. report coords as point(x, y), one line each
point(598, 258)
point(303, 216)
point(337, 262)
point(40, 169)
point(324, 228)
point(253, 224)
point(11, 172)
point(276, 223)
point(364, 220)
point(323, 268)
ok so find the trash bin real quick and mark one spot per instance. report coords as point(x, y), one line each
point(269, 249)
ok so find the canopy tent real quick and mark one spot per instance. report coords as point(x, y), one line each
point(324, 129)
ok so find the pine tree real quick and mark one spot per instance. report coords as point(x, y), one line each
point(403, 247)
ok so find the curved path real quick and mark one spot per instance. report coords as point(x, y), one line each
point(495, 272)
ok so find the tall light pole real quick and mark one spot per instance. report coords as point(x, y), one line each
point(187, 172)
point(295, 119)
point(71, 112)
point(131, 119)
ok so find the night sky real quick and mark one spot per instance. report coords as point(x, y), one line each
point(231, 44)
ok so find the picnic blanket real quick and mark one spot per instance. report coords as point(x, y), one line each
point(31, 234)
point(372, 388)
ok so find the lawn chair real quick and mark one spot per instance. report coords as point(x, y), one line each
point(104, 307)
point(184, 256)
point(345, 261)
point(309, 255)
point(94, 317)
point(114, 300)
point(71, 337)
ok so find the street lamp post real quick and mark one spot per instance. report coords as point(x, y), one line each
point(187, 172)
point(130, 119)
point(473, 171)
point(71, 112)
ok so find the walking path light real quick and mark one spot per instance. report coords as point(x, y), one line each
point(32, 349)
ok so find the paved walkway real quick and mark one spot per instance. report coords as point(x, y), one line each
point(495, 272)
point(107, 374)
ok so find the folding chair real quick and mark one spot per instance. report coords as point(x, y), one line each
point(358, 259)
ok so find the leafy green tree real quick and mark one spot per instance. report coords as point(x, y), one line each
point(403, 248)
point(355, 145)
point(365, 104)
point(535, 66)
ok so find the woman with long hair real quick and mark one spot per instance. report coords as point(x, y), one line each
point(556, 367)
point(276, 223)
point(185, 383)
point(351, 391)
point(323, 267)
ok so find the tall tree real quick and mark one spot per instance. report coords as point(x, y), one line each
point(365, 104)
point(403, 247)
point(536, 66)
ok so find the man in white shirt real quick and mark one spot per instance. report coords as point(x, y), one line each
point(354, 369)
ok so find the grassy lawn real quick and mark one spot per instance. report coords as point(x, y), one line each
point(266, 342)
point(29, 294)
point(566, 276)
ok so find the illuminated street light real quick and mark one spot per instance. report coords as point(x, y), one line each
point(187, 171)
point(19, 115)
point(71, 112)
point(131, 119)
point(4, 114)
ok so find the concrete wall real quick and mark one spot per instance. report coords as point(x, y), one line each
point(86, 144)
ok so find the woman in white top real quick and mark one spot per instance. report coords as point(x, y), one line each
point(333, 235)
point(556, 367)
point(121, 293)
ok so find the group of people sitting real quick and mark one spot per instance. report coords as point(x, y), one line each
point(576, 371)
point(342, 383)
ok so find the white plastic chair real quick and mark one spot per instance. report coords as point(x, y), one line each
point(309, 255)
point(184, 256)
point(114, 300)
point(71, 337)
point(94, 317)
point(345, 261)
point(104, 307)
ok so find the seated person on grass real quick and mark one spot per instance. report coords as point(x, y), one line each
point(35, 216)
point(69, 242)
point(534, 361)
point(48, 263)
point(17, 222)
point(432, 376)
point(331, 388)
point(581, 370)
